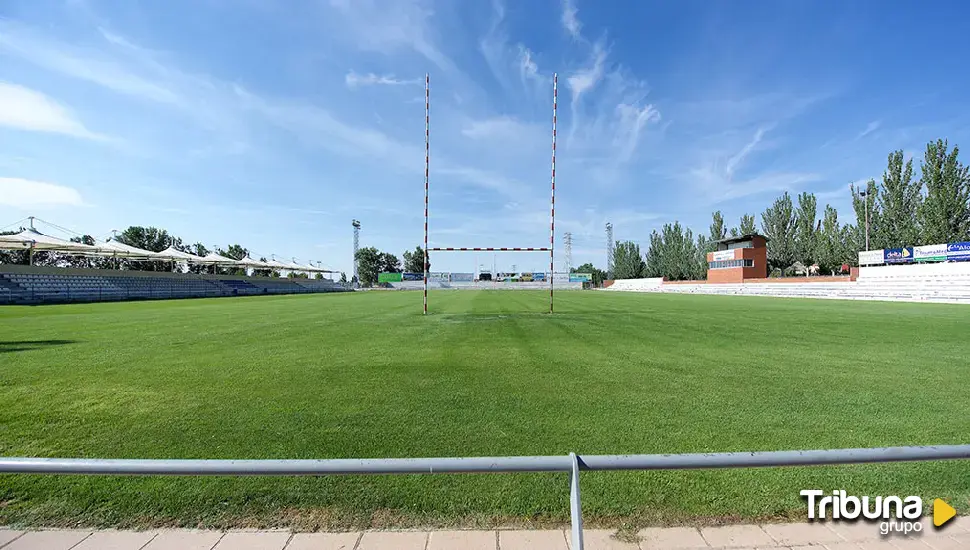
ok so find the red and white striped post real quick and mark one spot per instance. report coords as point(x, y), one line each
point(552, 207)
point(552, 204)
point(427, 162)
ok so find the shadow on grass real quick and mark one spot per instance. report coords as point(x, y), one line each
point(27, 345)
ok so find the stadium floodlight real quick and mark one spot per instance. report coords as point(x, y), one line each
point(552, 202)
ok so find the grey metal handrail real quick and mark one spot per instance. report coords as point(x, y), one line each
point(571, 463)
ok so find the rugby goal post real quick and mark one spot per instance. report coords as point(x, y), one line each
point(552, 200)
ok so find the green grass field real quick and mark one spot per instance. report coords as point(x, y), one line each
point(365, 375)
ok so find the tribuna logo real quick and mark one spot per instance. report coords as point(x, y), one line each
point(894, 513)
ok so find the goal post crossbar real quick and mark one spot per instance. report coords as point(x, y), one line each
point(464, 249)
point(552, 201)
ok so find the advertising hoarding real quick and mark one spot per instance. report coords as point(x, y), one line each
point(722, 255)
point(872, 257)
point(958, 251)
point(412, 276)
point(930, 253)
point(462, 277)
point(898, 255)
point(580, 277)
point(389, 277)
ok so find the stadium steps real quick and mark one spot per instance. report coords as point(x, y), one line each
point(941, 288)
point(18, 287)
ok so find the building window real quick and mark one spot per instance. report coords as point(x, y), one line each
point(742, 244)
point(724, 264)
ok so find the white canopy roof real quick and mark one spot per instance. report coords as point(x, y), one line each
point(217, 259)
point(122, 250)
point(249, 262)
point(175, 254)
point(31, 238)
point(277, 265)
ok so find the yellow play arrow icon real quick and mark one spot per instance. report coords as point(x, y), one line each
point(942, 512)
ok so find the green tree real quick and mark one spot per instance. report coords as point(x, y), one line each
point(343, 277)
point(264, 272)
point(627, 262)
point(13, 256)
point(236, 252)
point(830, 251)
point(414, 261)
point(148, 238)
point(864, 204)
point(898, 202)
point(598, 274)
point(778, 224)
point(85, 262)
point(200, 249)
point(390, 263)
point(654, 256)
point(718, 230)
point(369, 264)
point(805, 229)
point(945, 213)
point(748, 225)
point(700, 258)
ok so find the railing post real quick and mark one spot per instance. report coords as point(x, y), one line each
point(575, 506)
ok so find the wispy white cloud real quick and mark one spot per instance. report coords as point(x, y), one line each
point(870, 128)
point(738, 158)
point(631, 121)
point(570, 20)
point(388, 25)
point(606, 105)
point(80, 63)
point(584, 79)
point(502, 127)
point(716, 186)
point(354, 80)
point(26, 109)
point(24, 193)
point(528, 69)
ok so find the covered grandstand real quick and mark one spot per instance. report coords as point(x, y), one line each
point(63, 282)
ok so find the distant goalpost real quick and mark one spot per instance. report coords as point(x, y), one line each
point(552, 202)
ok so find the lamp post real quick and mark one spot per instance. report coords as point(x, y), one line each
point(865, 196)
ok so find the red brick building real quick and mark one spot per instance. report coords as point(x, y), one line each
point(737, 259)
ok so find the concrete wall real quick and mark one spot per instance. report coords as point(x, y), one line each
point(914, 270)
point(541, 285)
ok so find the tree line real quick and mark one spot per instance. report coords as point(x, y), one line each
point(371, 262)
point(903, 209)
point(146, 238)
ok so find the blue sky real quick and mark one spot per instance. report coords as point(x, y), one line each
point(274, 124)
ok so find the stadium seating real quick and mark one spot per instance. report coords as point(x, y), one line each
point(28, 285)
point(240, 287)
point(637, 285)
point(940, 282)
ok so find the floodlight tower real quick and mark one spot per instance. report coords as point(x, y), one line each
point(567, 239)
point(356, 225)
point(609, 250)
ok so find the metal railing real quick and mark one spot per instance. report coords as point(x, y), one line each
point(571, 463)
